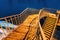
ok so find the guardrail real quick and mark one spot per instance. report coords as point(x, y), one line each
point(18, 18)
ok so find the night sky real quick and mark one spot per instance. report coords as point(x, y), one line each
point(10, 7)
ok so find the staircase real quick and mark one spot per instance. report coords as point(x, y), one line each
point(24, 30)
point(49, 27)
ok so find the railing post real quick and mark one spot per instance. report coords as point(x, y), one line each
point(6, 24)
point(3, 30)
point(11, 20)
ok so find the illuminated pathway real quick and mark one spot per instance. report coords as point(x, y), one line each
point(25, 30)
point(31, 30)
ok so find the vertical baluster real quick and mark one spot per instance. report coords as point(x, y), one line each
point(18, 19)
point(7, 23)
point(11, 20)
point(15, 20)
point(3, 30)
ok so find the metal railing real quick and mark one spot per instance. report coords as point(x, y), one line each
point(18, 18)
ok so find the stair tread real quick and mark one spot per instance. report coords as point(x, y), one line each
point(48, 27)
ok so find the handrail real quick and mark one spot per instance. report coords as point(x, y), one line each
point(41, 30)
point(42, 33)
point(55, 24)
point(14, 15)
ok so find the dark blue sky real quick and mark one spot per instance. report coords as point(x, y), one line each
point(10, 7)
